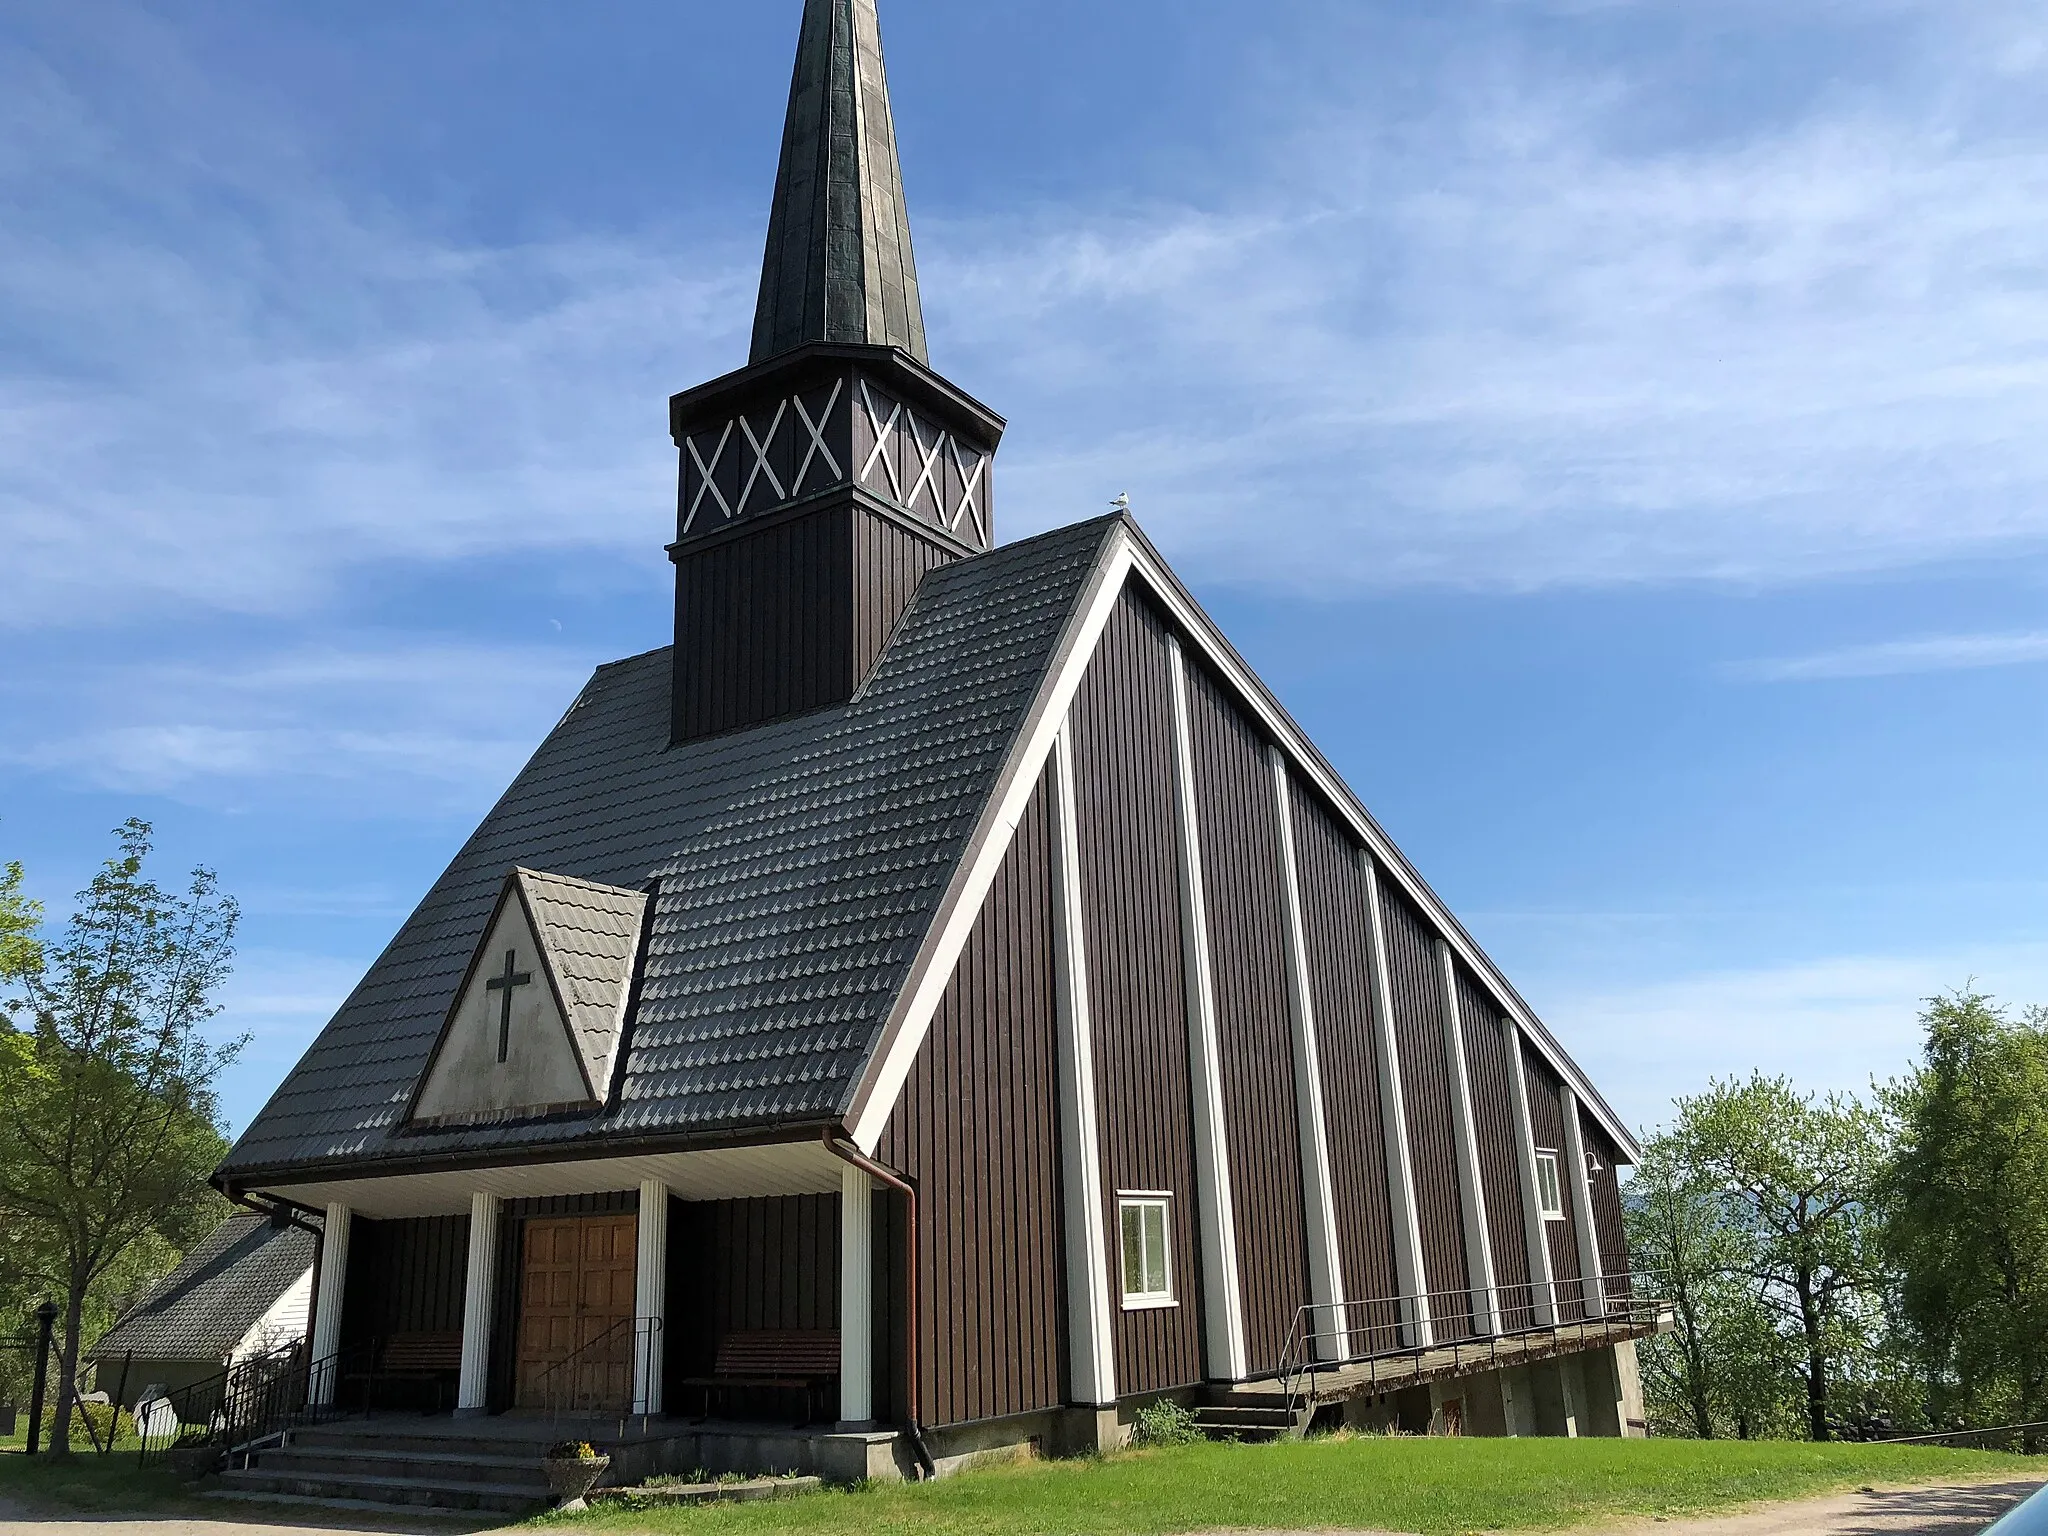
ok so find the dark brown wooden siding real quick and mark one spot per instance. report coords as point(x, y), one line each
point(1241, 875)
point(404, 1276)
point(1123, 767)
point(742, 1265)
point(1493, 1123)
point(1416, 980)
point(1546, 1123)
point(1336, 928)
point(888, 563)
point(977, 1131)
point(1607, 1206)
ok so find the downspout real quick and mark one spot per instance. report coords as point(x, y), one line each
point(913, 1418)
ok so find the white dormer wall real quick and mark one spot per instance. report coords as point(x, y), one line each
point(284, 1323)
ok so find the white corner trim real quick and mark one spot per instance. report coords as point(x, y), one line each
point(1325, 1257)
point(1582, 1206)
point(1254, 697)
point(1091, 1343)
point(1223, 1309)
point(1471, 1181)
point(933, 968)
point(1409, 1271)
point(1535, 1232)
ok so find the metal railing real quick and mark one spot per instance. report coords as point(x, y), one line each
point(233, 1413)
point(607, 1375)
point(1469, 1325)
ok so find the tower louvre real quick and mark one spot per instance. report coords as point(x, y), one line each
point(819, 483)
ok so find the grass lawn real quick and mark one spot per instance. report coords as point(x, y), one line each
point(85, 1483)
point(1426, 1485)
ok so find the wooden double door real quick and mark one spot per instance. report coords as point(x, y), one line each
point(576, 1335)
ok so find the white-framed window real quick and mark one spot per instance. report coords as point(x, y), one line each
point(1549, 1190)
point(1147, 1248)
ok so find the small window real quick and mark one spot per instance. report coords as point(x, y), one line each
point(1148, 1259)
point(1549, 1193)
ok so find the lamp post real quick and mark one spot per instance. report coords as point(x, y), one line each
point(46, 1319)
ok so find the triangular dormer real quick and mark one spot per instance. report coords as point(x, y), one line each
point(536, 1024)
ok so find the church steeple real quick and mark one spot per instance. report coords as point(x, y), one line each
point(839, 265)
point(820, 482)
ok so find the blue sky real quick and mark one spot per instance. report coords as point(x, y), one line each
point(1618, 430)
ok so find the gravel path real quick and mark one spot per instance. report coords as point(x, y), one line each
point(1949, 1511)
point(232, 1520)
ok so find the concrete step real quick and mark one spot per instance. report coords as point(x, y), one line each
point(373, 1461)
point(408, 1492)
point(1230, 1421)
point(457, 1519)
point(397, 1441)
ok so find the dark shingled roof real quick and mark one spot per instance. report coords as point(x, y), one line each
point(800, 865)
point(219, 1291)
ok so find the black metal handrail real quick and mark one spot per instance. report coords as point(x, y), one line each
point(631, 1342)
point(228, 1414)
point(1343, 1335)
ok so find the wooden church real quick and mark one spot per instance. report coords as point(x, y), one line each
point(943, 1003)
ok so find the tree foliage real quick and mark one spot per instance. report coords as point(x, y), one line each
point(108, 1123)
point(1966, 1205)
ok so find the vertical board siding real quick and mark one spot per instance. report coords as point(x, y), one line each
point(1416, 979)
point(1487, 1070)
point(1336, 927)
point(405, 1276)
point(1546, 1122)
point(742, 1265)
point(1123, 768)
point(1607, 1207)
point(977, 1130)
point(1241, 872)
point(888, 563)
point(764, 625)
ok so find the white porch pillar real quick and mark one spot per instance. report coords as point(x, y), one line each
point(326, 1341)
point(1223, 1319)
point(1409, 1271)
point(1471, 1188)
point(1535, 1230)
point(650, 1296)
point(1091, 1352)
point(856, 1296)
point(1325, 1259)
point(1582, 1206)
point(473, 1390)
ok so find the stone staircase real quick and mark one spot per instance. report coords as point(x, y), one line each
point(351, 1466)
point(1245, 1416)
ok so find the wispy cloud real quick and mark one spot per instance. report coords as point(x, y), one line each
point(1830, 1024)
point(1893, 658)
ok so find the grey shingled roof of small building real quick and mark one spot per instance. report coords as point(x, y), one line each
point(219, 1291)
point(800, 865)
point(590, 933)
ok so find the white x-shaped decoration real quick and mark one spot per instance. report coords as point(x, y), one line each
point(931, 462)
point(762, 467)
point(706, 473)
point(970, 493)
point(884, 434)
point(818, 443)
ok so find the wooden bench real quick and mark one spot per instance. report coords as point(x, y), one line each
point(772, 1359)
point(431, 1360)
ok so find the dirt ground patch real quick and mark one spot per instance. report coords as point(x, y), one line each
point(231, 1520)
point(1942, 1511)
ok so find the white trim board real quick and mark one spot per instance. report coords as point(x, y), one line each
point(1125, 553)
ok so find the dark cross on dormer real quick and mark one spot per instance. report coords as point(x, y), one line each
point(513, 977)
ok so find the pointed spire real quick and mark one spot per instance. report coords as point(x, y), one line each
point(839, 265)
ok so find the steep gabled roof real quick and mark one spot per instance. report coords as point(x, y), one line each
point(219, 1291)
point(798, 868)
point(589, 934)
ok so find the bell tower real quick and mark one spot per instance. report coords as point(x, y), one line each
point(821, 481)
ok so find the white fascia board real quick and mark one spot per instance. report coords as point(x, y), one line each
point(932, 970)
point(1218, 652)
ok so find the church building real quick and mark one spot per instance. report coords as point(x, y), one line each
point(942, 1003)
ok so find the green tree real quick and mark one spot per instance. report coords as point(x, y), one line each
point(20, 919)
point(1724, 1369)
point(108, 1123)
point(1795, 1175)
point(1966, 1208)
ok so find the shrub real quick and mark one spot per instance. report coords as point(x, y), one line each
point(1165, 1423)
